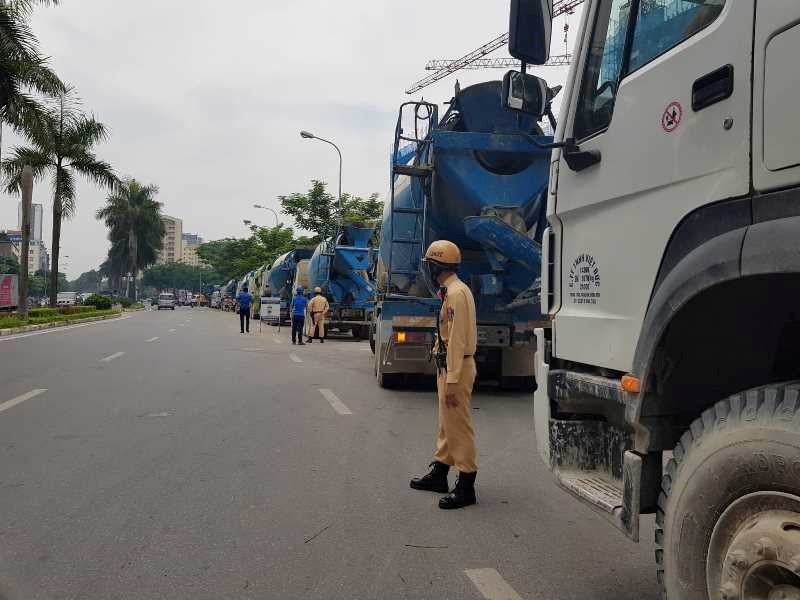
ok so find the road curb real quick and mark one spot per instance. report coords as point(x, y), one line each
point(40, 326)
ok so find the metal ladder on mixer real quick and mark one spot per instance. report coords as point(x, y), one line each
point(426, 115)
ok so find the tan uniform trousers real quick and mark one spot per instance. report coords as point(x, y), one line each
point(317, 320)
point(455, 442)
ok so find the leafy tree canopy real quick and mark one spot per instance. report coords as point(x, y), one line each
point(318, 210)
point(86, 282)
point(179, 276)
point(9, 265)
point(233, 257)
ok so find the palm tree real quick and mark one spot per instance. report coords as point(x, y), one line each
point(136, 231)
point(22, 69)
point(61, 147)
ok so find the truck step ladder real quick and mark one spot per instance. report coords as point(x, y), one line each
point(426, 118)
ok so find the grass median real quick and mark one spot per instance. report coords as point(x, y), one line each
point(52, 316)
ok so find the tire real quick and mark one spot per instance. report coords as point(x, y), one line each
point(389, 381)
point(372, 338)
point(737, 466)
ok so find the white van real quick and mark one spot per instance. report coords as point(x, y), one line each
point(66, 299)
point(166, 300)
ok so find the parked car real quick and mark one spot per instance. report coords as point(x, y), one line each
point(166, 300)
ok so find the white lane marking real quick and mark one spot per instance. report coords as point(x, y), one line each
point(112, 357)
point(181, 324)
point(19, 336)
point(491, 584)
point(339, 406)
point(277, 340)
point(19, 399)
point(172, 330)
point(152, 339)
point(295, 358)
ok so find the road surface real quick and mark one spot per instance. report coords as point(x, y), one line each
point(165, 455)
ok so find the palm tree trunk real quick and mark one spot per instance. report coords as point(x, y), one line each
point(57, 213)
point(132, 256)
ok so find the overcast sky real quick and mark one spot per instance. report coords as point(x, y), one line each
point(206, 98)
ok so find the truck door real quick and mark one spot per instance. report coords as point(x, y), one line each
point(662, 91)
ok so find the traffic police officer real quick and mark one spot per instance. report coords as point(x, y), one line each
point(317, 308)
point(454, 350)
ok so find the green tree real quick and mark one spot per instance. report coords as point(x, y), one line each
point(61, 148)
point(135, 229)
point(179, 276)
point(22, 69)
point(86, 282)
point(9, 265)
point(318, 211)
point(234, 257)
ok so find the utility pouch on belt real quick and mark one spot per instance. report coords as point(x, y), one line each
point(439, 351)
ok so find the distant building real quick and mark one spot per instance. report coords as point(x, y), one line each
point(191, 242)
point(8, 247)
point(37, 214)
point(172, 247)
point(38, 256)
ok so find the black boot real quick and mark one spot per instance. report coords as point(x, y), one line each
point(435, 480)
point(310, 341)
point(463, 494)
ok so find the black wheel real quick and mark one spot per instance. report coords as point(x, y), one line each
point(728, 520)
point(389, 380)
point(372, 338)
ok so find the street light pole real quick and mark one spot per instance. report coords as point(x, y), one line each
point(310, 136)
point(275, 214)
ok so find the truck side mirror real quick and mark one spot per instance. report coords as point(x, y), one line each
point(529, 29)
point(525, 93)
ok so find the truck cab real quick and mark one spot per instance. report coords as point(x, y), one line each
point(671, 272)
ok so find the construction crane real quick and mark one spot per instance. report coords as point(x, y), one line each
point(449, 67)
point(498, 63)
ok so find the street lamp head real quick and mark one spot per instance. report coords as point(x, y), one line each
point(257, 206)
point(308, 135)
point(247, 222)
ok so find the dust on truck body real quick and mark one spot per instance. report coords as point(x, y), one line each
point(671, 272)
point(470, 178)
point(342, 270)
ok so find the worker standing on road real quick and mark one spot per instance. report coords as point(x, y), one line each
point(457, 333)
point(317, 308)
point(245, 300)
point(299, 303)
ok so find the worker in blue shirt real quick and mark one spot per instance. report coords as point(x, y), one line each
point(299, 303)
point(245, 300)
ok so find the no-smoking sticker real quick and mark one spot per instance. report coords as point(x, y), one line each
point(672, 117)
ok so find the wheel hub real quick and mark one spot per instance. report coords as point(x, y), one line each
point(754, 553)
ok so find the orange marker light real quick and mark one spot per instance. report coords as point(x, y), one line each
point(631, 384)
point(401, 337)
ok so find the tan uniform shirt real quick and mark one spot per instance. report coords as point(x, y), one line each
point(318, 304)
point(458, 325)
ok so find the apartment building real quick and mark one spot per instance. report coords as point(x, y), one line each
point(172, 248)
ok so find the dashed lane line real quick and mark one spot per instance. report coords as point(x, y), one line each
point(172, 330)
point(491, 584)
point(339, 406)
point(114, 356)
point(19, 336)
point(152, 339)
point(19, 399)
point(295, 358)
